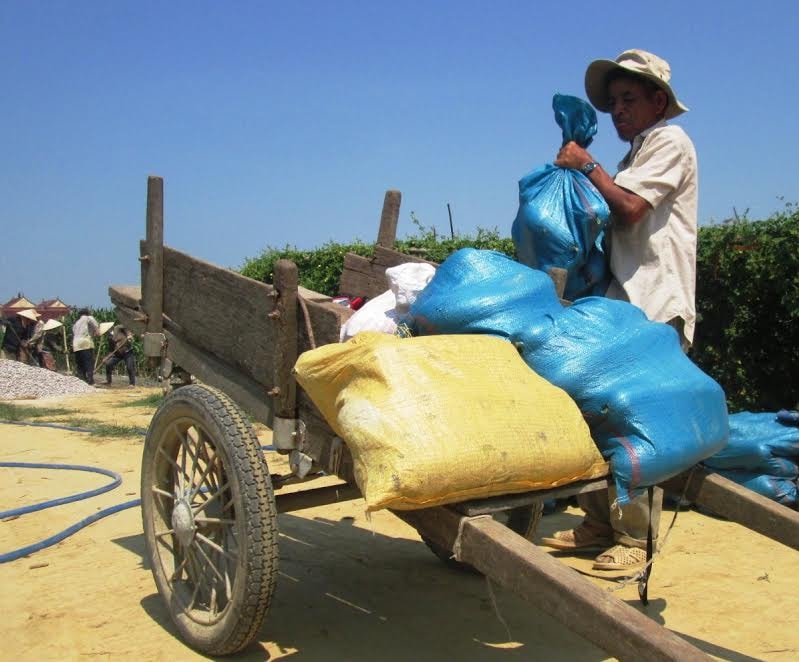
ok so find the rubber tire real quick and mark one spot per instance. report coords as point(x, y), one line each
point(235, 442)
point(523, 520)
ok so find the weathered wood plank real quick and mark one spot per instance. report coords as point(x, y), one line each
point(222, 312)
point(324, 317)
point(367, 276)
point(284, 321)
point(499, 503)
point(738, 504)
point(127, 295)
point(360, 279)
point(245, 391)
point(580, 605)
point(152, 256)
point(318, 496)
point(387, 234)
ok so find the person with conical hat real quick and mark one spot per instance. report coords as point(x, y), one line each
point(652, 240)
point(19, 329)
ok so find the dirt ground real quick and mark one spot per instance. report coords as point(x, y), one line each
point(350, 587)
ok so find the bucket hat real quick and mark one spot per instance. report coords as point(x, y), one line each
point(30, 313)
point(638, 62)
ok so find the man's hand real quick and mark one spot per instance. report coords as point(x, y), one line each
point(571, 155)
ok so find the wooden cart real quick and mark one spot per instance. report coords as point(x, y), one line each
point(228, 344)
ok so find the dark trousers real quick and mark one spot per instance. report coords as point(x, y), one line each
point(130, 364)
point(84, 365)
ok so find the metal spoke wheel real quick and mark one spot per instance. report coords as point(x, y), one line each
point(210, 523)
point(523, 520)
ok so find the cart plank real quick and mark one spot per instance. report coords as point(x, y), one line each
point(560, 591)
point(245, 391)
point(366, 277)
point(738, 504)
point(221, 311)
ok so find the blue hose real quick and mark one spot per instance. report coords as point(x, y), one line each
point(100, 514)
point(58, 537)
point(68, 499)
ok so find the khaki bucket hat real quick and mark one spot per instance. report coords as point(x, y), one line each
point(31, 314)
point(644, 64)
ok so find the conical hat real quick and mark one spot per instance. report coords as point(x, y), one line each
point(31, 314)
point(49, 325)
point(105, 327)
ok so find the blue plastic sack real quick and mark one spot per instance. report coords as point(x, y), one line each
point(788, 417)
point(652, 412)
point(480, 291)
point(781, 490)
point(760, 443)
point(562, 216)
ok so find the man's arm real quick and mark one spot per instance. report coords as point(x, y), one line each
point(627, 207)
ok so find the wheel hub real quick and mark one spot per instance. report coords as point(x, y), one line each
point(183, 522)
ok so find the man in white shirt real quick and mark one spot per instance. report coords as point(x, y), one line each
point(652, 239)
point(84, 331)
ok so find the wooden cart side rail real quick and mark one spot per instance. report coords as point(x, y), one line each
point(245, 391)
point(222, 311)
point(738, 504)
point(580, 605)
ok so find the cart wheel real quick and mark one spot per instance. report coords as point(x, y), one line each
point(523, 520)
point(210, 523)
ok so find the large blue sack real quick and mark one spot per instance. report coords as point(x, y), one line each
point(759, 443)
point(562, 216)
point(652, 412)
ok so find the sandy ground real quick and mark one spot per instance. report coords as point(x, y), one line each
point(350, 587)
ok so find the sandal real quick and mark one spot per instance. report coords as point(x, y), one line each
point(620, 557)
point(584, 537)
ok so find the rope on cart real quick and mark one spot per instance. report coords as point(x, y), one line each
point(307, 317)
point(643, 573)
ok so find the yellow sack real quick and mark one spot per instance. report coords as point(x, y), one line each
point(439, 419)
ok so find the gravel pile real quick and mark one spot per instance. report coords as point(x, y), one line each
point(24, 382)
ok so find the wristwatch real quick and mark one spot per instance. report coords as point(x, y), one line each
point(588, 168)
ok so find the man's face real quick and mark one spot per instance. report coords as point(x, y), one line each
point(633, 107)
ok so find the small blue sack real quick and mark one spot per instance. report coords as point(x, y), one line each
point(479, 291)
point(760, 443)
point(562, 217)
point(652, 412)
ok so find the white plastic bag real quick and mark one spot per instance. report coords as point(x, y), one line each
point(378, 314)
point(407, 280)
point(384, 312)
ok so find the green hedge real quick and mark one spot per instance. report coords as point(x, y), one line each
point(320, 269)
point(748, 304)
point(747, 298)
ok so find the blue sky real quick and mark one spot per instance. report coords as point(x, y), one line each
point(279, 124)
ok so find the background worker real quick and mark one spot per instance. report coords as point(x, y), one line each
point(652, 239)
point(121, 342)
point(84, 331)
point(49, 344)
point(35, 342)
point(19, 329)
